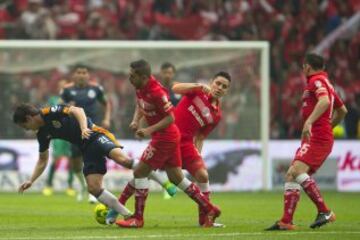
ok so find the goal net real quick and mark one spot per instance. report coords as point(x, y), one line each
point(30, 71)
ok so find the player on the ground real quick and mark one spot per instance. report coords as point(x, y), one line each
point(71, 124)
point(82, 93)
point(163, 152)
point(322, 110)
point(196, 115)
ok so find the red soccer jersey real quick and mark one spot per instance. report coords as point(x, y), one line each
point(153, 101)
point(195, 114)
point(318, 85)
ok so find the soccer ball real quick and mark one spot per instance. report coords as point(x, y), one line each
point(100, 211)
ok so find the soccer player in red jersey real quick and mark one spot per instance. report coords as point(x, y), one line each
point(322, 110)
point(163, 152)
point(196, 115)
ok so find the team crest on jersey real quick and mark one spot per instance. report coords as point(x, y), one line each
point(91, 93)
point(318, 84)
point(56, 124)
point(73, 92)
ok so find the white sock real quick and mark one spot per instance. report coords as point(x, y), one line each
point(204, 187)
point(111, 201)
point(158, 177)
point(141, 183)
point(135, 163)
point(184, 184)
point(302, 178)
point(132, 182)
point(292, 186)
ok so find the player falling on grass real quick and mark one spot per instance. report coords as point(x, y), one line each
point(95, 143)
point(196, 115)
point(163, 152)
point(85, 94)
point(322, 110)
point(71, 124)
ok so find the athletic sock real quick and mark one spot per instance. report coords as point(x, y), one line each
point(141, 193)
point(129, 190)
point(291, 198)
point(311, 189)
point(194, 193)
point(110, 201)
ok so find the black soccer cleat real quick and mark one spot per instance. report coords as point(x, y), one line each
point(323, 218)
point(280, 226)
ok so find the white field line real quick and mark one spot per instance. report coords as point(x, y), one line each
point(185, 236)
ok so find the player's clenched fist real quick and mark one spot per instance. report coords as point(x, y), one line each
point(142, 133)
point(134, 126)
point(24, 186)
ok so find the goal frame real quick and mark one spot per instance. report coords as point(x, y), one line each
point(263, 46)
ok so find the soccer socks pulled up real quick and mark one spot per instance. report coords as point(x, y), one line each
point(311, 189)
point(291, 198)
point(110, 201)
point(129, 190)
point(141, 193)
point(204, 187)
point(194, 193)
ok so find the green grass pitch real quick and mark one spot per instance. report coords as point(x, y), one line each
point(33, 216)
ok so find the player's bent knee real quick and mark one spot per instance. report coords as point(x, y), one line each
point(94, 189)
point(202, 176)
point(289, 176)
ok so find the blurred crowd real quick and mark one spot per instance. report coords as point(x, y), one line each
point(292, 27)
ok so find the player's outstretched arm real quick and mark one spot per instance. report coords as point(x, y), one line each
point(320, 107)
point(339, 115)
point(184, 88)
point(80, 116)
point(38, 170)
point(163, 123)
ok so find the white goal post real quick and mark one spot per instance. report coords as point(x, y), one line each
point(235, 46)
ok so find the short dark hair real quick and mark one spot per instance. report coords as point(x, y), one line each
point(317, 62)
point(223, 74)
point(141, 67)
point(167, 65)
point(79, 65)
point(22, 111)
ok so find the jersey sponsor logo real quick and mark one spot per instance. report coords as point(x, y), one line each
point(91, 93)
point(205, 111)
point(191, 108)
point(56, 124)
point(54, 109)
